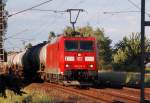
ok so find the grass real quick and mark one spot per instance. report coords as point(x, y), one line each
point(34, 97)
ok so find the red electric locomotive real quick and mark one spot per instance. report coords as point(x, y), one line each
point(70, 59)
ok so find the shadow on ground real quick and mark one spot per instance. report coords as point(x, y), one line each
point(12, 83)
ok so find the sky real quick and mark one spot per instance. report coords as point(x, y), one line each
point(34, 26)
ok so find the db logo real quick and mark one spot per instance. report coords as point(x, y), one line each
point(79, 58)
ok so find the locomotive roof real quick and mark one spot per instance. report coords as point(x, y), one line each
point(79, 38)
point(55, 39)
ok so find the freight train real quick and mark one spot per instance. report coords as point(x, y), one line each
point(67, 60)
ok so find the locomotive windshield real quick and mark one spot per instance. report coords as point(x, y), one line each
point(86, 45)
point(71, 45)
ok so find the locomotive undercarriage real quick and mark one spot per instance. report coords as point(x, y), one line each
point(80, 77)
point(71, 77)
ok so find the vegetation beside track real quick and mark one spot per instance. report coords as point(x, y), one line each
point(130, 79)
point(29, 97)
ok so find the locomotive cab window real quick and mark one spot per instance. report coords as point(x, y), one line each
point(86, 46)
point(71, 45)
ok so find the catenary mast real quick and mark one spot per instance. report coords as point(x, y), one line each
point(3, 26)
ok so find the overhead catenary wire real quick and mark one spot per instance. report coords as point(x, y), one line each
point(122, 12)
point(21, 38)
point(11, 43)
point(50, 10)
point(117, 12)
point(135, 5)
point(16, 34)
point(30, 8)
point(55, 11)
point(34, 8)
point(46, 24)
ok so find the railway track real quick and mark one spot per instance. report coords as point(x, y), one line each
point(147, 90)
point(137, 92)
point(119, 94)
point(106, 95)
point(99, 95)
point(82, 93)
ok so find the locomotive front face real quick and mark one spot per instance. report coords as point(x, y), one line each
point(80, 57)
point(80, 54)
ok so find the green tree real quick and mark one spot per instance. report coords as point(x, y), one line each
point(127, 53)
point(51, 35)
point(86, 31)
point(29, 45)
point(104, 49)
point(68, 31)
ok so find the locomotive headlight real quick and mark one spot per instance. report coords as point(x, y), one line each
point(69, 58)
point(91, 66)
point(89, 58)
point(67, 65)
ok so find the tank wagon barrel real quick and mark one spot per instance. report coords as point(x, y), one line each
point(10, 58)
point(15, 64)
point(16, 59)
point(43, 54)
point(27, 61)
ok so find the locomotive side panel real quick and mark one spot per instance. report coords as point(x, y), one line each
point(61, 56)
point(52, 59)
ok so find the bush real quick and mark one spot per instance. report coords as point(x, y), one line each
point(107, 67)
point(129, 68)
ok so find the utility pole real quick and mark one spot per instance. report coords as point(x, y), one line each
point(74, 21)
point(142, 49)
point(3, 25)
point(143, 24)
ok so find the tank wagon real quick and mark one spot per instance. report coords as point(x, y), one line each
point(69, 60)
point(14, 63)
